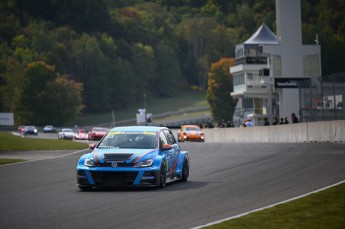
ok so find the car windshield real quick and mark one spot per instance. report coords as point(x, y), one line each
point(99, 130)
point(136, 140)
point(192, 128)
point(67, 130)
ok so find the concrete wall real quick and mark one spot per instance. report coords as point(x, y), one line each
point(326, 131)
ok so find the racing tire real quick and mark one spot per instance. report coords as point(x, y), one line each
point(162, 176)
point(85, 188)
point(185, 171)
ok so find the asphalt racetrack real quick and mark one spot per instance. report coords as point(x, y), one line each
point(225, 180)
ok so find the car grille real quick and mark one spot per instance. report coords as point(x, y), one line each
point(116, 156)
point(119, 164)
point(114, 179)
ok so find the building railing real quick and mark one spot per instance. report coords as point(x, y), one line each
point(250, 84)
point(251, 60)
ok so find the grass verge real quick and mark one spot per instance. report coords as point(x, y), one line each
point(190, 100)
point(11, 142)
point(325, 209)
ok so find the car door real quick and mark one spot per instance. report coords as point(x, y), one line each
point(175, 151)
point(169, 154)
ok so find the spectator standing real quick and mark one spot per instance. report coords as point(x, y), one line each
point(266, 123)
point(230, 124)
point(220, 124)
point(294, 118)
point(286, 121)
point(249, 123)
point(281, 121)
point(275, 122)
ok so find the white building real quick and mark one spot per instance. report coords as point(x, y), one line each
point(271, 68)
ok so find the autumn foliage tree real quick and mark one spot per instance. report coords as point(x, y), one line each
point(220, 84)
point(48, 98)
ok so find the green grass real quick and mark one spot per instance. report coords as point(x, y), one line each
point(9, 161)
point(11, 142)
point(186, 100)
point(182, 116)
point(324, 209)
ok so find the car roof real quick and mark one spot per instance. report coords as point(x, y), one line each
point(138, 128)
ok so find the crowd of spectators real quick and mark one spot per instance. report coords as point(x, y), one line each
point(249, 122)
point(285, 120)
point(220, 124)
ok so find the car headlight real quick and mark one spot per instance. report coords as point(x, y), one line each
point(88, 162)
point(145, 163)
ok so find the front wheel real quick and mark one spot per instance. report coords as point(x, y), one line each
point(185, 171)
point(85, 188)
point(162, 176)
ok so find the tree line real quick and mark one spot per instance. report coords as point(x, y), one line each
point(59, 58)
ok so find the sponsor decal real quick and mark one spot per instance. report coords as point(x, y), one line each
point(135, 160)
point(148, 177)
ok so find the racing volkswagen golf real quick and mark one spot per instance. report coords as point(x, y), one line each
point(134, 156)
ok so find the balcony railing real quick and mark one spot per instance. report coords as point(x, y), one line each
point(251, 60)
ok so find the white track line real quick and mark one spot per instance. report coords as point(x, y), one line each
point(64, 155)
point(269, 206)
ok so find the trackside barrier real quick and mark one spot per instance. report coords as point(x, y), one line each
point(325, 131)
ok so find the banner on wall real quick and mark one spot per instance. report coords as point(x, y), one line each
point(291, 82)
point(6, 119)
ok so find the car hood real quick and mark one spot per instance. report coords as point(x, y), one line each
point(82, 134)
point(99, 132)
point(99, 155)
point(67, 133)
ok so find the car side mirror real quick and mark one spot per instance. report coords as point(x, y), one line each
point(166, 147)
point(92, 146)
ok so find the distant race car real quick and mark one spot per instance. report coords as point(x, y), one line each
point(190, 133)
point(137, 156)
point(21, 129)
point(49, 129)
point(66, 133)
point(30, 130)
point(80, 134)
point(96, 133)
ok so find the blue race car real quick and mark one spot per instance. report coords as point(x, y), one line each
point(135, 156)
